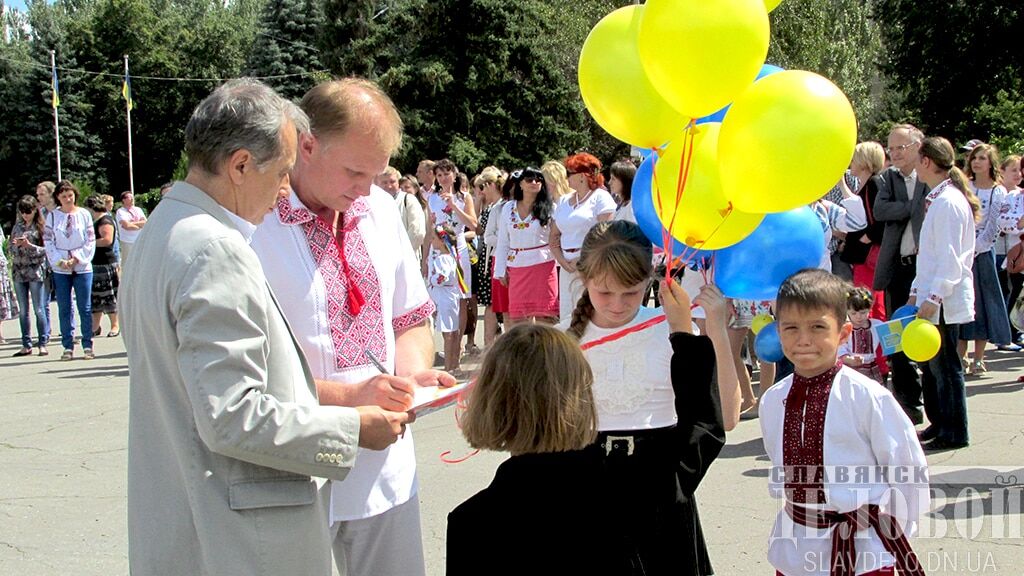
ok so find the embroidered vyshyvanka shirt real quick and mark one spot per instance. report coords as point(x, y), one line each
point(301, 259)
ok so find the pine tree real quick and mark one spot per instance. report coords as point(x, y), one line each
point(286, 45)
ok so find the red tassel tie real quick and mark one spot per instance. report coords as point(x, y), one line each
point(355, 300)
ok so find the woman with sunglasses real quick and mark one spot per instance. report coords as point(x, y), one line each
point(524, 261)
point(574, 216)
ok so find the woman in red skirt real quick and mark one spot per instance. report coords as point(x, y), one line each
point(523, 262)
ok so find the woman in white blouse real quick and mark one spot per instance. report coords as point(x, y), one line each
point(574, 216)
point(943, 288)
point(991, 322)
point(1012, 224)
point(70, 242)
point(450, 204)
point(523, 260)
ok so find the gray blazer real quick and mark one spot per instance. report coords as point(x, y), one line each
point(894, 207)
point(224, 425)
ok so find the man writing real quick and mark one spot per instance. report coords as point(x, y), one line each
point(336, 252)
point(900, 204)
point(225, 428)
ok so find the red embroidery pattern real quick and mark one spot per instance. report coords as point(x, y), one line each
point(803, 432)
point(414, 317)
point(351, 335)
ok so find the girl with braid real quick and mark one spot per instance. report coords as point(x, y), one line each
point(659, 409)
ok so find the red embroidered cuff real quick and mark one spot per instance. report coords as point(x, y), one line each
point(413, 317)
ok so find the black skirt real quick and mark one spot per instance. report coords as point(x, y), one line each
point(652, 503)
point(104, 288)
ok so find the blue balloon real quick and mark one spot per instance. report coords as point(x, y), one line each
point(719, 116)
point(905, 311)
point(768, 345)
point(647, 216)
point(784, 243)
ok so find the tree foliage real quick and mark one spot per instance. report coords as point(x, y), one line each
point(285, 49)
point(952, 61)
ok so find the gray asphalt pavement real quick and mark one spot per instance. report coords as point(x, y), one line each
point(63, 459)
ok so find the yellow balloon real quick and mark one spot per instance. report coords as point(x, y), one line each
point(921, 340)
point(701, 55)
point(615, 87)
point(771, 4)
point(759, 322)
point(702, 218)
point(786, 142)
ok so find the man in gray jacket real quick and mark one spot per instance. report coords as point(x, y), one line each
point(225, 430)
point(900, 204)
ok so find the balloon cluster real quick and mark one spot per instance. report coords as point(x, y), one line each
point(741, 147)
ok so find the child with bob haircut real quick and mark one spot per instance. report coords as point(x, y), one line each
point(533, 399)
point(445, 284)
point(821, 426)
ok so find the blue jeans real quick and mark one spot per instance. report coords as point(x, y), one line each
point(34, 289)
point(82, 285)
point(942, 382)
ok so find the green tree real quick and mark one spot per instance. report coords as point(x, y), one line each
point(474, 80)
point(286, 45)
point(950, 61)
point(838, 39)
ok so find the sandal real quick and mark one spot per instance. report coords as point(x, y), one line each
point(87, 353)
point(98, 332)
point(67, 355)
point(43, 351)
point(978, 368)
point(23, 352)
point(113, 334)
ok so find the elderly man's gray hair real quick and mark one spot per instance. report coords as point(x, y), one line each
point(240, 114)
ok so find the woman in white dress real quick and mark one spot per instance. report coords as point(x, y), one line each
point(574, 216)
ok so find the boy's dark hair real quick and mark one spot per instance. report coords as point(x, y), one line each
point(813, 288)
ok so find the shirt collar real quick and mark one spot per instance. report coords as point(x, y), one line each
point(245, 228)
point(291, 211)
point(825, 377)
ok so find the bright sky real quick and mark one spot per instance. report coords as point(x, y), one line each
point(19, 4)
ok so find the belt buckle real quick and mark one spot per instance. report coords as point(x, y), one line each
point(609, 444)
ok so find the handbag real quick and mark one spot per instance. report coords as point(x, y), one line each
point(1017, 313)
point(1015, 258)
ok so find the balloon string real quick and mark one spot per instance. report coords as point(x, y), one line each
point(460, 408)
point(666, 234)
point(685, 160)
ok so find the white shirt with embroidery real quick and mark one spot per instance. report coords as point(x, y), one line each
point(993, 209)
point(133, 214)
point(522, 242)
point(575, 220)
point(632, 375)
point(300, 258)
point(946, 255)
point(1009, 219)
point(864, 428)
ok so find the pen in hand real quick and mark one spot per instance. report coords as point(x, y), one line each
point(373, 360)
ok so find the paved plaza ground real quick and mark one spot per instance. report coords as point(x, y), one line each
point(63, 437)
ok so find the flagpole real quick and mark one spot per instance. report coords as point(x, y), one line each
point(128, 108)
point(56, 119)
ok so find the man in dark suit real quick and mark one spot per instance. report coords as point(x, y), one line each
point(900, 204)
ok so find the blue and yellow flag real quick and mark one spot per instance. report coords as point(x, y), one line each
point(126, 90)
point(56, 95)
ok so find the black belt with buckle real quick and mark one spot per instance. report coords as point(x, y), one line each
point(909, 260)
point(631, 442)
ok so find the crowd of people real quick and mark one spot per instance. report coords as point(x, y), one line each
point(279, 310)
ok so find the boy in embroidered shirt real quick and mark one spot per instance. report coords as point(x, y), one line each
point(844, 454)
point(860, 350)
point(445, 283)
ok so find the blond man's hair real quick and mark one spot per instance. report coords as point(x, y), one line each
point(336, 106)
point(533, 395)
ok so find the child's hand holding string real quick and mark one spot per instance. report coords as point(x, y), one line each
point(676, 303)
